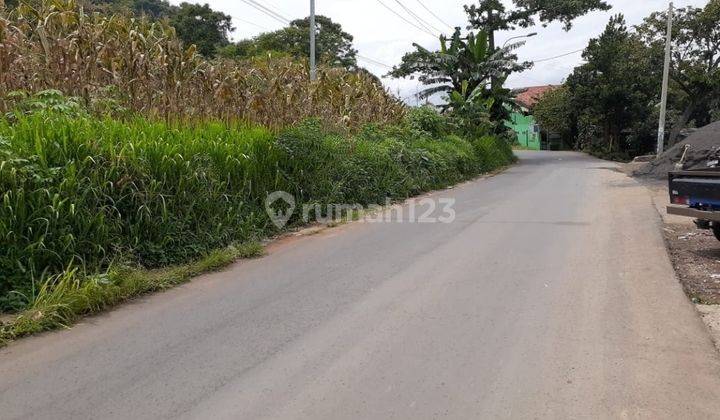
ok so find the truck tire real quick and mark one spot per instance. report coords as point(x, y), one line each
point(716, 230)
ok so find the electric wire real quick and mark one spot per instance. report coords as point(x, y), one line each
point(277, 16)
point(558, 56)
point(422, 22)
point(250, 23)
point(435, 16)
point(406, 20)
point(373, 61)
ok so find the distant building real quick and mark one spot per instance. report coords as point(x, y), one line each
point(529, 134)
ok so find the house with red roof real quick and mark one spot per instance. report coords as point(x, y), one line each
point(529, 134)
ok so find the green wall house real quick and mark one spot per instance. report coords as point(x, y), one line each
point(529, 134)
point(527, 131)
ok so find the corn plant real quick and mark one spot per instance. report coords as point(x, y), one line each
point(149, 71)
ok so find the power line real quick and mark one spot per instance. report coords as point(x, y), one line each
point(406, 20)
point(250, 23)
point(419, 20)
point(373, 61)
point(277, 16)
point(558, 56)
point(257, 3)
point(435, 16)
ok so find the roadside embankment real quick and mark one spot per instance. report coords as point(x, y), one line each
point(86, 199)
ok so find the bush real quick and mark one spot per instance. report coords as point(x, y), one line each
point(83, 192)
point(493, 152)
point(427, 120)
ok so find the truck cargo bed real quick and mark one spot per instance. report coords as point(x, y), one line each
point(697, 189)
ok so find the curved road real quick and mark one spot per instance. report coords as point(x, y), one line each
point(550, 296)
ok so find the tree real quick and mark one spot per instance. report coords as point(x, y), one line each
point(155, 9)
point(554, 112)
point(334, 45)
point(471, 112)
point(194, 24)
point(464, 66)
point(493, 16)
point(459, 60)
point(616, 89)
point(695, 71)
point(9, 4)
point(202, 26)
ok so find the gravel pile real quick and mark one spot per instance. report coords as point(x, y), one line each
point(704, 143)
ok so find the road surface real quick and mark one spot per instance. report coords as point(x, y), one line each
point(550, 296)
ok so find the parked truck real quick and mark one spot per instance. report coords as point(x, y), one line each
point(696, 193)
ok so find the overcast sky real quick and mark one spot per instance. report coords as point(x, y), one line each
point(384, 37)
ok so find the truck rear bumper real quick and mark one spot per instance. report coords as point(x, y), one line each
point(713, 216)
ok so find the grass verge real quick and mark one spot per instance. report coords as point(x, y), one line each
point(81, 193)
point(62, 300)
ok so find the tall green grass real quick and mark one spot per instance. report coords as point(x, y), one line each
point(79, 194)
point(84, 192)
point(64, 298)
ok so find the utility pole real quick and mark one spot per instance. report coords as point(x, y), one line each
point(313, 65)
point(666, 77)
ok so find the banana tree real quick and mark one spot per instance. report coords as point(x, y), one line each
point(470, 110)
point(459, 60)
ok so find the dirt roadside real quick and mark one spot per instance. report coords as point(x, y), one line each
point(695, 254)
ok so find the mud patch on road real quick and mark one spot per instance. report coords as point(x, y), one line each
point(695, 254)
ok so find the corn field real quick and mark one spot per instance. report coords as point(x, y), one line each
point(143, 67)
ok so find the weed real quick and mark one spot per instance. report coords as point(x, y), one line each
point(64, 298)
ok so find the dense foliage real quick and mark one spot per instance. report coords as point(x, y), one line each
point(494, 15)
point(194, 23)
point(695, 61)
point(334, 46)
point(84, 192)
point(470, 70)
point(201, 26)
point(554, 113)
point(609, 104)
point(614, 91)
point(462, 70)
point(121, 146)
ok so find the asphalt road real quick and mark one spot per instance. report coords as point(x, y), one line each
point(550, 296)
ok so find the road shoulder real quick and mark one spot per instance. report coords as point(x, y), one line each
point(695, 255)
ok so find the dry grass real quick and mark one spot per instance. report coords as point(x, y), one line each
point(139, 65)
point(62, 300)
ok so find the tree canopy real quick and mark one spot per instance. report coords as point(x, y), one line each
point(608, 103)
point(493, 15)
point(462, 70)
point(202, 26)
point(472, 66)
point(155, 9)
point(695, 70)
point(334, 46)
point(554, 112)
point(195, 24)
point(459, 60)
